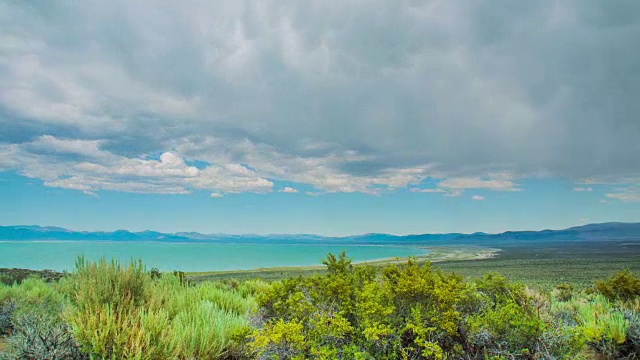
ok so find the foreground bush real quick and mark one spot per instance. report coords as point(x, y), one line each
point(408, 311)
point(38, 334)
point(6, 314)
point(106, 310)
point(119, 312)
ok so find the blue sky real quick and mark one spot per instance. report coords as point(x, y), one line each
point(398, 212)
point(329, 117)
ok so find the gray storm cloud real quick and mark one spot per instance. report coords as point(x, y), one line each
point(341, 96)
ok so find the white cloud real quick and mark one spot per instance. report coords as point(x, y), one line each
point(630, 194)
point(587, 189)
point(453, 193)
point(216, 195)
point(288, 189)
point(477, 183)
point(454, 187)
point(427, 190)
point(83, 166)
point(477, 197)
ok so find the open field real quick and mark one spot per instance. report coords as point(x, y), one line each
point(548, 266)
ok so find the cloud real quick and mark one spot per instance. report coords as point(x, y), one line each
point(478, 183)
point(343, 97)
point(454, 187)
point(288, 189)
point(216, 195)
point(477, 197)
point(587, 189)
point(628, 194)
point(83, 166)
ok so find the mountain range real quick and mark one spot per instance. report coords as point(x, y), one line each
point(591, 232)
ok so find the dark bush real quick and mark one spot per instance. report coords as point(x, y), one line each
point(6, 312)
point(41, 335)
point(155, 273)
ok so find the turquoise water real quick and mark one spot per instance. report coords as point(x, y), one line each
point(60, 255)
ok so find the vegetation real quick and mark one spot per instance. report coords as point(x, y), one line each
point(10, 276)
point(407, 310)
point(547, 266)
point(105, 310)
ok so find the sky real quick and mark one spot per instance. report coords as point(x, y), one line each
point(326, 117)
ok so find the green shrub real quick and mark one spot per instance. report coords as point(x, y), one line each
point(32, 292)
point(405, 310)
point(252, 287)
point(206, 332)
point(109, 283)
point(563, 292)
point(624, 285)
point(604, 326)
point(505, 330)
point(170, 293)
point(280, 340)
point(119, 312)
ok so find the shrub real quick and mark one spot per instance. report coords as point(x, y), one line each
point(154, 273)
point(206, 332)
point(560, 341)
point(505, 330)
point(119, 312)
point(109, 283)
point(280, 340)
point(38, 334)
point(351, 312)
point(632, 343)
point(252, 287)
point(173, 295)
point(32, 292)
point(624, 285)
point(563, 292)
point(604, 326)
point(6, 313)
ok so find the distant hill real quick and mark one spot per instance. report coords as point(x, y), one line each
point(590, 232)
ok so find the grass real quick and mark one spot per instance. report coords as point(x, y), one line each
point(3, 344)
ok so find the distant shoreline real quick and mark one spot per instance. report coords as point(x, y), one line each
point(429, 253)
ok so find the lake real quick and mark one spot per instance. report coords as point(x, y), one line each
point(60, 255)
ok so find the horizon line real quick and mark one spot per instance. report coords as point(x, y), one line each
point(319, 235)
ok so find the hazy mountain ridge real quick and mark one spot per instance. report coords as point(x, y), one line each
point(602, 231)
